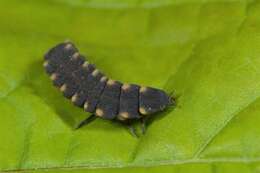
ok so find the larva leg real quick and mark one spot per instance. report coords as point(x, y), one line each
point(87, 121)
point(143, 124)
point(132, 130)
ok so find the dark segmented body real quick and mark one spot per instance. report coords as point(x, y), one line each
point(129, 96)
point(109, 100)
point(87, 87)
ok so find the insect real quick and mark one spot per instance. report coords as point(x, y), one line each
point(106, 98)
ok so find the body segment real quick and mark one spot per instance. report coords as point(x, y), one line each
point(95, 94)
point(108, 105)
point(129, 102)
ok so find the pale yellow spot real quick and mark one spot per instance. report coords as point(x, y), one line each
point(86, 63)
point(68, 46)
point(99, 112)
point(142, 111)
point(125, 86)
point(143, 89)
point(110, 82)
point(120, 118)
point(103, 79)
point(45, 64)
point(95, 72)
point(74, 98)
point(63, 88)
point(85, 105)
point(54, 76)
point(75, 55)
point(125, 115)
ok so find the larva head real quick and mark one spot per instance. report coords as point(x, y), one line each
point(153, 100)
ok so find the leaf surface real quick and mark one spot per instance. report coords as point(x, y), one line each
point(205, 52)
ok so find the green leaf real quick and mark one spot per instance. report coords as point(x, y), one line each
point(205, 52)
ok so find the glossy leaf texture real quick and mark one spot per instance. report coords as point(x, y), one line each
point(205, 52)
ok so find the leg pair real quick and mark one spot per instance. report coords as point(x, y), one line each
point(133, 130)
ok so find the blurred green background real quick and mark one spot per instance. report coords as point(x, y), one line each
point(205, 51)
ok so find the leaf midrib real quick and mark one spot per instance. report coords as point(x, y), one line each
point(148, 164)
